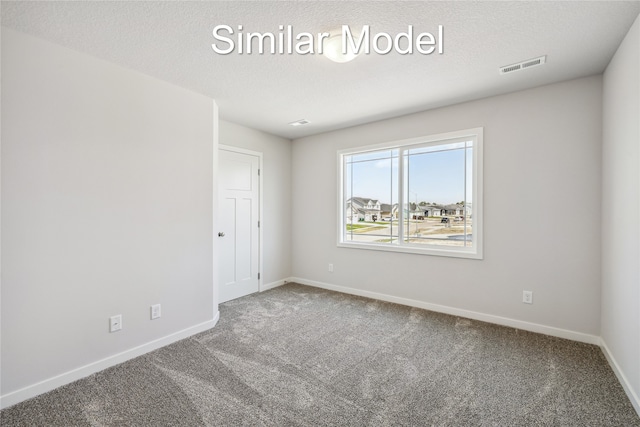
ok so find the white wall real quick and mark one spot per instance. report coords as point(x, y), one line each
point(107, 192)
point(276, 176)
point(621, 212)
point(542, 177)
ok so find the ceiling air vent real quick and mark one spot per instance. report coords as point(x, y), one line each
point(300, 122)
point(522, 65)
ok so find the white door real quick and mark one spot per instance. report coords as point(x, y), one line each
point(238, 236)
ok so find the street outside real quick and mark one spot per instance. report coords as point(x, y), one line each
point(431, 230)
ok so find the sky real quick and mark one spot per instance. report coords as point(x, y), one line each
point(433, 176)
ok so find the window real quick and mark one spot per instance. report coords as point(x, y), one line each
point(422, 195)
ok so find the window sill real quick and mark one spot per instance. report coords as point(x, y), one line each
point(469, 253)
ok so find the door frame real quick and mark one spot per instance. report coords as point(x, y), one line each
point(258, 154)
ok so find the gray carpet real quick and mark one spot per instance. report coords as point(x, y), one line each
point(300, 356)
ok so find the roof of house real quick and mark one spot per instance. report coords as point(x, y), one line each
point(363, 200)
point(453, 207)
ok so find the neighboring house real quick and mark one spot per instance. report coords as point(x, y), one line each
point(432, 210)
point(414, 210)
point(457, 210)
point(387, 211)
point(453, 210)
point(363, 209)
point(352, 214)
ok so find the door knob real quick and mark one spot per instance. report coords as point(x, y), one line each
point(221, 234)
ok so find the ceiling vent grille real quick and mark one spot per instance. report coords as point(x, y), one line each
point(300, 122)
point(522, 65)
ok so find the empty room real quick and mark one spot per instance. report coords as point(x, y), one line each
point(320, 213)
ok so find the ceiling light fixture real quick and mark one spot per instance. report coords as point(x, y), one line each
point(332, 49)
point(300, 122)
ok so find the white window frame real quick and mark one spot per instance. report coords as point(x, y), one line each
point(473, 252)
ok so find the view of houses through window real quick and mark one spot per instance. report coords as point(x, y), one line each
point(371, 221)
point(420, 194)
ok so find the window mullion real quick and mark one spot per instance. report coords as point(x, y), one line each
point(351, 194)
point(401, 197)
point(390, 197)
point(464, 201)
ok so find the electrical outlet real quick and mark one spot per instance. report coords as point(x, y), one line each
point(330, 268)
point(155, 311)
point(527, 297)
point(115, 323)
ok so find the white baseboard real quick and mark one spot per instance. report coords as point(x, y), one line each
point(490, 318)
point(273, 285)
point(631, 394)
point(28, 392)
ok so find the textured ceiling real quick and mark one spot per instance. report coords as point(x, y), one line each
point(172, 41)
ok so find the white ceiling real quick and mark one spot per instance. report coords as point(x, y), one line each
point(172, 41)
